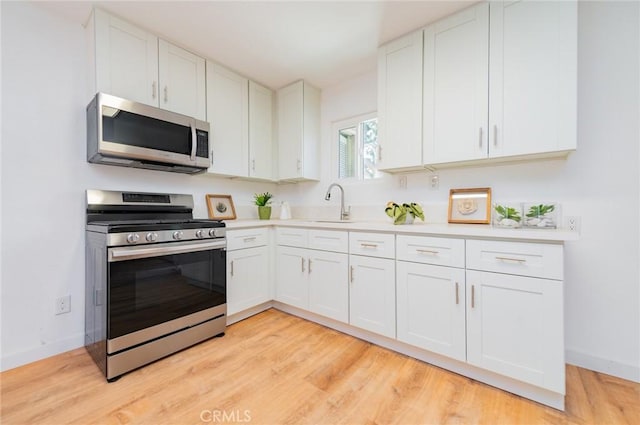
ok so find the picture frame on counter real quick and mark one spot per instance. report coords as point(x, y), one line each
point(220, 207)
point(470, 206)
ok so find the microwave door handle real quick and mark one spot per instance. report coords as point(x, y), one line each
point(194, 141)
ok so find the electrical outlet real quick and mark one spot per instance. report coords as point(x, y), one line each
point(63, 304)
point(435, 181)
point(403, 182)
point(572, 223)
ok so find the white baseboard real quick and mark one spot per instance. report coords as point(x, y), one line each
point(12, 360)
point(610, 367)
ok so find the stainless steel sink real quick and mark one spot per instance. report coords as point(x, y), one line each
point(332, 221)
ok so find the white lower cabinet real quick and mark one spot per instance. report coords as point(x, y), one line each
point(291, 278)
point(372, 294)
point(313, 279)
point(431, 308)
point(247, 286)
point(248, 269)
point(514, 327)
point(327, 273)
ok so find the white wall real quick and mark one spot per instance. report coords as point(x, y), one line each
point(599, 182)
point(44, 176)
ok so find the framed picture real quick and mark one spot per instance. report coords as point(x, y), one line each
point(220, 207)
point(471, 206)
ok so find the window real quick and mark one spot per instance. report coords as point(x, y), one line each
point(357, 150)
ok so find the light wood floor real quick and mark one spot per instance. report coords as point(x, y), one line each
point(274, 368)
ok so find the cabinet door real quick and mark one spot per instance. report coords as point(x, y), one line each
point(126, 60)
point(290, 131)
point(328, 284)
point(260, 131)
point(515, 327)
point(182, 81)
point(431, 308)
point(247, 278)
point(533, 69)
point(372, 295)
point(291, 270)
point(400, 103)
point(456, 87)
point(228, 115)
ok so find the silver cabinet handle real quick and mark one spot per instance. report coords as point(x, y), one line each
point(251, 239)
point(351, 274)
point(368, 245)
point(309, 266)
point(495, 135)
point(299, 165)
point(231, 268)
point(457, 294)
point(480, 138)
point(253, 164)
point(427, 251)
point(211, 158)
point(517, 260)
point(379, 152)
point(153, 90)
point(194, 140)
point(166, 94)
point(302, 262)
point(473, 296)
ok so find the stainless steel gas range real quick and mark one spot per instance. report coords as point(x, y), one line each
point(155, 278)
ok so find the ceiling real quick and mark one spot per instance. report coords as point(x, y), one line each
point(276, 42)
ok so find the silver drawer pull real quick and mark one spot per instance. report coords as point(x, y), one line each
point(368, 245)
point(251, 239)
point(302, 263)
point(516, 260)
point(427, 251)
point(309, 266)
point(457, 294)
point(231, 268)
point(351, 274)
point(473, 296)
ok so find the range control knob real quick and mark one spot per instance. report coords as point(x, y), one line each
point(200, 234)
point(212, 233)
point(151, 237)
point(133, 238)
point(177, 235)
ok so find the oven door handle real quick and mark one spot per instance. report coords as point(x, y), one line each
point(134, 252)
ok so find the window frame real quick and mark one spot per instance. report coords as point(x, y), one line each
point(336, 126)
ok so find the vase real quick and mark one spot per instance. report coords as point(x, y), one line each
point(264, 212)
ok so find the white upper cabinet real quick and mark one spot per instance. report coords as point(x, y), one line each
point(400, 103)
point(126, 59)
point(496, 81)
point(260, 132)
point(298, 132)
point(533, 77)
point(228, 116)
point(131, 63)
point(182, 81)
point(456, 87)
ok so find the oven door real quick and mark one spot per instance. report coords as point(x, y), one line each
point(156, 290)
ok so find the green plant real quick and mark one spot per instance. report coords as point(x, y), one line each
point(508, 212)
point(540, 210)
point(399, 212)
point(262, 199)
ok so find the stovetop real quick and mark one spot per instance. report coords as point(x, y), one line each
point(118, 226)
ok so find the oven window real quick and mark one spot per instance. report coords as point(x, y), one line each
point(149, 291)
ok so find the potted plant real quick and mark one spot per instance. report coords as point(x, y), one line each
point(405, 213)
point(262, 200)
point(507, 216)
point(540, 215)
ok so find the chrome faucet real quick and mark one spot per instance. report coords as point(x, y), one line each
point(344, 214)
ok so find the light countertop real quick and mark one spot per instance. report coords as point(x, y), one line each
point(418, 228)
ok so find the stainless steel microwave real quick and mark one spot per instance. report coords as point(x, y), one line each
point(130, 134)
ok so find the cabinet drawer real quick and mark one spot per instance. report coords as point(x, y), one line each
point(372, 244)
point(518, 258)
point(247, 238)
point(292, 236)
point(428, 250)
point(329, 240)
